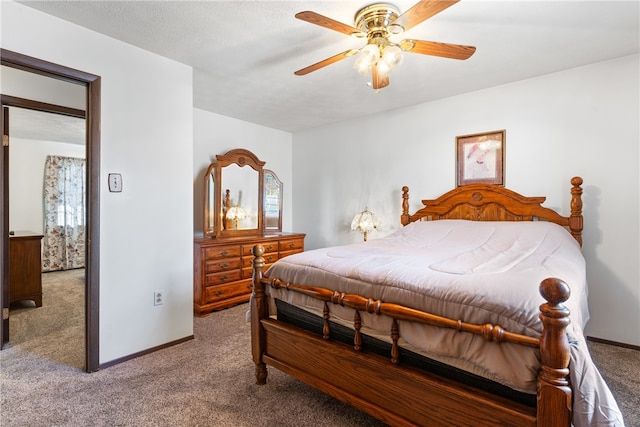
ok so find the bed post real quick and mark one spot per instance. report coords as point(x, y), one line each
point(575, 219)
point(554, 393)
point(404, 218)
point(258, 307)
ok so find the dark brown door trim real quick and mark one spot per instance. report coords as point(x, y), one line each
point(4, 223)
point(29, 104)
point(92, 276)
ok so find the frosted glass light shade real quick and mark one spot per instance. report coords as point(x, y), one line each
point(364, 222)
point(392, 56)
point(370, 54)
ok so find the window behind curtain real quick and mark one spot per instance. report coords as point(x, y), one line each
point(64, 213)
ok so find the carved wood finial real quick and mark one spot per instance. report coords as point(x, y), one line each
point(257, 251)
point(404, 218)
point(575, 219)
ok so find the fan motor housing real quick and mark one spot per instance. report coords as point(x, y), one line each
point(376, 17)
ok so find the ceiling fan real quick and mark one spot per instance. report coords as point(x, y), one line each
point(378, 23)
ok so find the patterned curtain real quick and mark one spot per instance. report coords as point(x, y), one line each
point(64, 213)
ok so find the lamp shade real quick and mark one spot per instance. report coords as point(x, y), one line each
point(234, 216)
point(364, 222)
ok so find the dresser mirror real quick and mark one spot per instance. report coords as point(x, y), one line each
point(272, 202)
point(233, 205)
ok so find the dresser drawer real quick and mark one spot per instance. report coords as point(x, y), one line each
point(268, 248)
point(222, 292)
point(222, 252)
point(291, 245)
point(268, 259)
point(221, 278)
point(222, 265)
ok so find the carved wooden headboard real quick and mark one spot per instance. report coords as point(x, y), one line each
point(481, 202)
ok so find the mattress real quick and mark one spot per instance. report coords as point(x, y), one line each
point(478, 272)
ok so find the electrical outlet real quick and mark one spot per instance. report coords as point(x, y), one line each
point(158, 297)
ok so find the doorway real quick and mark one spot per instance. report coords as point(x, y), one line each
point(47, 291)
point(92, 84)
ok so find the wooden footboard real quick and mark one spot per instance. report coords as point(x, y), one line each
point(403, 395)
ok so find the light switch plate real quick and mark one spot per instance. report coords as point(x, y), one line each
point(115, 182)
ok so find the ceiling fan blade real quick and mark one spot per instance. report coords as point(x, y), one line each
point(323, 21)
point(445, 50)
point(422, 11)
point(378, 81)
point(325, 62)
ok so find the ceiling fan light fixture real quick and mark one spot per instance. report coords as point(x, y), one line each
point(383, 69)
point(370, 54)
point(362, 66)
point(377, 22)
point(392, 56)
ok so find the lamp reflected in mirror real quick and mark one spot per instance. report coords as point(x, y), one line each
point(234, 217)
point(364, 222)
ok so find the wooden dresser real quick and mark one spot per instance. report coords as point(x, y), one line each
point(25, 267)
point(223, 271)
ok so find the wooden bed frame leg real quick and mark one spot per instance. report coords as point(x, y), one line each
point(259, 311)
point(554, 392)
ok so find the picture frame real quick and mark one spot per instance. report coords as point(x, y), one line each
point(480, 158)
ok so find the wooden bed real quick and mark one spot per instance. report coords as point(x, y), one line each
point(405, 395)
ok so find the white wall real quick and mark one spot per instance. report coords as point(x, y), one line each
point(36, 87)
point(26, 179)
point(583, 121)
point(147, 136)
point(215, 134)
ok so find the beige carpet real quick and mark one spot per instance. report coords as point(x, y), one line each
point(54, 331)
point(208, 381)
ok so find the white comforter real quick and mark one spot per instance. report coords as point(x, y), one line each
point(479, 272)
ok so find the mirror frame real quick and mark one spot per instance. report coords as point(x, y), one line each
point(278, 228)
point(242, 158)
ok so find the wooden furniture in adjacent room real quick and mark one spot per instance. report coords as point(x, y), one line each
point(25, 267)
point(235, 190)
point(383, 385)
point(223, 270)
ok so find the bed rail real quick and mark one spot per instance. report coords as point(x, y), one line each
point(554, 393)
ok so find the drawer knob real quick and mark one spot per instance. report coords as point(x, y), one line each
point(218, 293)
point(224, 253)
point(225, 277)
point(224, 265)
point(291, 244)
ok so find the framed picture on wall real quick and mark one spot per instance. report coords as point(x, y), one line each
point(480, 158)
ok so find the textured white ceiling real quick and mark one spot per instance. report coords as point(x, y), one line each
point(244, 53)
point(40, 126)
